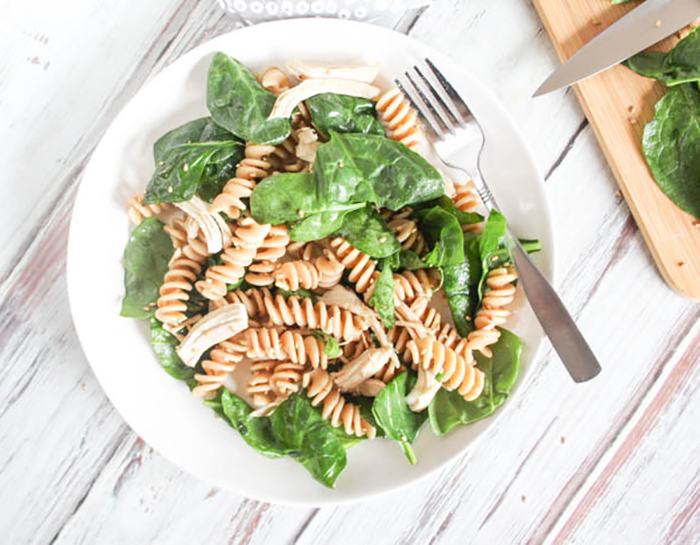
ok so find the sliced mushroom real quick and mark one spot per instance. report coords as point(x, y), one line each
point(308, 144)
point(361, 368)
point(214, 328)
point(215, 230)
point(288, 100)
point(304, 71)
point(424, 391)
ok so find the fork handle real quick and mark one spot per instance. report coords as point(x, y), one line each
point(567, 340)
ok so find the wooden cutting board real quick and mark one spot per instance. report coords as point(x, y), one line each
point(618, 103)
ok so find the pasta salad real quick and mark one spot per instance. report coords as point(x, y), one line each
point(311, 275)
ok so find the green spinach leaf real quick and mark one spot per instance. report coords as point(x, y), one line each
point(367, 231)
point(353, 168)
point(410, 261)
point(489, 242)
point(442, 230)
point(671, 146)
point(256, 431)
point(394, 416)
point(449, 409)
point(680, 65)
point(343, 113)
point(309, 439)
point(383, 297)
point(241, 105)
point(332, 347)
point(145, 262)
point(464, 218)
point(164, 344)
point(461, 283)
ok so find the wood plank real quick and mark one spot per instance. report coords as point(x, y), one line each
point(618, 104)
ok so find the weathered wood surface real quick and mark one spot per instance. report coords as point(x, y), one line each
point(616, 460)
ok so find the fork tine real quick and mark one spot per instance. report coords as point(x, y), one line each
point(450, 114)
point(435, 133)
point(444, 125)
point(461, 106)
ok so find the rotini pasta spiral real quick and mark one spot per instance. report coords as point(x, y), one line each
point(467, 200)
point(409, 285)
point(274, 246)
point(246, 241)
point(253, 167)
point(329, 269)
point(259, 387)
point(177, 231)
point(183, 270)
point(336, 408)
point(286, 378)
point(260, 274)
point(362, 267)
point(455, 372)
point(398, 118)
point(137, 211)
point(222, 361)
point(268, 343)
point(301, 250)
point(297, 274)
point(407, 233)
point(500, 293)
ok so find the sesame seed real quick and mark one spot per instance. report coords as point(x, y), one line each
point(618, 193)
point(563, 440)
point(524, 499)
point(657, 24)
point(186, 167)
point(161, 163)
point(383, 239)
point(84, 387)
point(300, 213)
point(494, 258)
point(170, 189)
point(341, 164)
point(682, 264)
point(596, 22)
point(630, 108)
point(469, 318)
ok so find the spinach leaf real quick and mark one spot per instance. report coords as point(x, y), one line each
point(489, 242)
point(464, 218)
point(383, 297)
point(332, 347)
point(309, 439)
point(257, 432)
point(680, 65)
point(442, 230)
point(241, 105)
point(354, 168)
point(164, 344)
point(410, 261)
point(215, 404)
point(283, 198)
point(671, 146)
point(367, 231)
point(145, 262)
point(394, 416)
point(301, 292)
point(343, 113)
point(198, 156)
point(461, 283)
point(449, 409)
point(317, 226)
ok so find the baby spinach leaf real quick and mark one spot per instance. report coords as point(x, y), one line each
point(449, 409)
point(241, 105)
point(383, 297)
point(309, 439)
point(164, 344)
point(197, 130)
point(490, 242)
point(671, 146)
point(464, 218)
point(680, 65)
point(257, 432)
point(410, 261)
point(343, 113)
point(317, 226)
point(461, 283)
point(367, 231)
point(394, 416)
point(332, 347)
point(354, 168)
point(442, 230)
point(145, 262)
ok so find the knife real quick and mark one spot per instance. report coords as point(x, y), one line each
point(645, 25)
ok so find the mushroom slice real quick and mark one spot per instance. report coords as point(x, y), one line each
point(361, 368)
point(288, 100)
point(424, 391)
point(215, 230)
point(214, 328)
point(304, 71)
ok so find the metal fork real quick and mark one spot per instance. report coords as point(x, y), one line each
point(454, 130)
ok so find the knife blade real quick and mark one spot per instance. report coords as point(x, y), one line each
point(645, 25)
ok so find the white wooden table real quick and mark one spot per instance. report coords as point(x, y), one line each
point(615, 460)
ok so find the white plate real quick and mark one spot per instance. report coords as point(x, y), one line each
point(161, 409)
